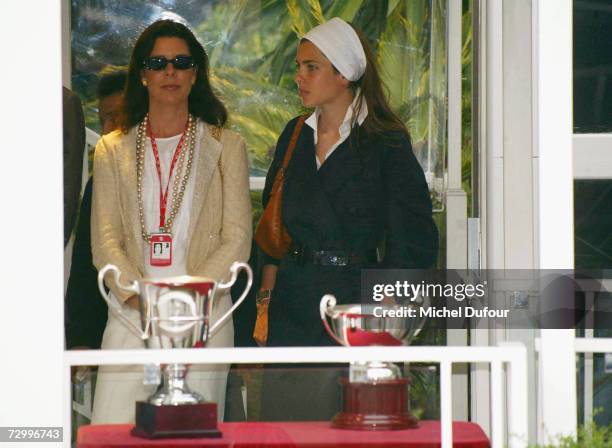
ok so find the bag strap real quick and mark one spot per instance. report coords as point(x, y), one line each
point(293, 141)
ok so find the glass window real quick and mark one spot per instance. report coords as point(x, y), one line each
point(592, 66)
point(592, 224)
point(252, 45)
point(593, 250)
point(592, 198)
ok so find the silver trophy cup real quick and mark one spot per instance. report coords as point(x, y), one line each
point(175, 312)
point(375, 394)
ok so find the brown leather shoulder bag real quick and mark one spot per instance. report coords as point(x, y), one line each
point(271, 235)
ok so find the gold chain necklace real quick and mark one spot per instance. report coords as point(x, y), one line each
point(179, 185)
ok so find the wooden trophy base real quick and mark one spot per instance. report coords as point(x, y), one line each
point(182, 421)
point(377, 406)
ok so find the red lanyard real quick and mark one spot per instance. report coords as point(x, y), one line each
point(163, 195)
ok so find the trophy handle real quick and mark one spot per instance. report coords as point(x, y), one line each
point(236, 266)
point(185, 299)
point(328, 301)
point(114, 304)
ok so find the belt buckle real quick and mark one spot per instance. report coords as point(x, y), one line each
point(332, 258)
point(298, 255)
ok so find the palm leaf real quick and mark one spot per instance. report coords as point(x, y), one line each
point(346, 10)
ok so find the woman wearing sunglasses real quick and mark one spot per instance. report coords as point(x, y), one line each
point(354, 197)
point(170, 175)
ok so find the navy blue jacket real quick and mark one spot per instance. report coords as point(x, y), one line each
point(369, 193)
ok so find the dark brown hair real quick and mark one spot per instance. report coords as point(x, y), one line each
point(202, 101)
point(111, 83)
point(381, 118)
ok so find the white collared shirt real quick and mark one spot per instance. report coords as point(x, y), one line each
point(150, 182)
point(150, 192)
point(345, 127)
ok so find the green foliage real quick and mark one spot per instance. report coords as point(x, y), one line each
point(466, 108)
point(257, 208)
point(424, 391)
point(591, 436)
point(258, 112)
point(252, 48)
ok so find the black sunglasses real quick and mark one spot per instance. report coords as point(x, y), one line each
point(157, 63)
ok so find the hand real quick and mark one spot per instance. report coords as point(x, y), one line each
point(80, 374)
point(260, 332)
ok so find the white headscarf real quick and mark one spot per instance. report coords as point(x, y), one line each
point(339, 42)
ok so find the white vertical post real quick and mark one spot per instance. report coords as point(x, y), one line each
point(31, 315)
point(497, 405)
point(479, 372)
point(67, 404)
point(557, 375)
point(517, 398)
point(456, 216)
point(588, 357)
point(494, 135)
point(454, 93)
point(553, 58)
point(66, 44)
point(456, 199)
point(479, 375)
point(446, 409)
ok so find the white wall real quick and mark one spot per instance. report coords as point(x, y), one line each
point(553, 63)
point(526, 81)
point(31, 316)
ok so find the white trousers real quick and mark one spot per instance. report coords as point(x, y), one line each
point(119, 387)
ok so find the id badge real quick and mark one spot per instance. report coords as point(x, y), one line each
point(161, 249)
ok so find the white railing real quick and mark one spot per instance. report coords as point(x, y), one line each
point(513, 356)
point(590, 288)
point(593, 345)
point(588, 346)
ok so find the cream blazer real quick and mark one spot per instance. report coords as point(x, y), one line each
point(220, 224)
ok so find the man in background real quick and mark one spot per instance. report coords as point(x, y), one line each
point(110, 96)
point(74, 145)
point(86, 311)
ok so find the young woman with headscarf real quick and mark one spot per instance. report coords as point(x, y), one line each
point(354, 197)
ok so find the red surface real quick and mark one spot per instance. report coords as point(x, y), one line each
point(357, 337)
point(201, 288)
point(294, 434)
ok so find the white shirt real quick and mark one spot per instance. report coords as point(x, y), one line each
point(150, 185)
point(345, 126)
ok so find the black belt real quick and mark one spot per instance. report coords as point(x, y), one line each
point(304, 255)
